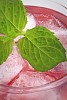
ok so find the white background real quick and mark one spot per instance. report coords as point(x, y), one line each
point(63, 2)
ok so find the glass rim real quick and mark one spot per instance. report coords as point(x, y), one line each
point(47, 86)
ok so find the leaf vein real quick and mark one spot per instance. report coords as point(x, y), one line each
point(53, 48)
point(11, 22)
point(40, 49)
point(41, 59)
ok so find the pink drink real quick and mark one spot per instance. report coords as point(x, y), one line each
point(19, 81)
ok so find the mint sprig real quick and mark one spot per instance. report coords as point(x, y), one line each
point(39, 46)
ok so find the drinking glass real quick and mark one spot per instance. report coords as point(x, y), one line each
point(56, 90)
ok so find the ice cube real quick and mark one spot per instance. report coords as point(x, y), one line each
point(29, 79)
point(61, 34)
point(13, 65)
point(32, 79)
point(62, 67)
point(59, 71)
point(31, 23)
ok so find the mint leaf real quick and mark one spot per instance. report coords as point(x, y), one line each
point(41, 48)
point(12, 17)
point(5, 48)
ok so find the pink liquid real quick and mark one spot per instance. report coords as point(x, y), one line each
point(26, 76)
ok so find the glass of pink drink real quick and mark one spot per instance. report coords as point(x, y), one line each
point(18, 80)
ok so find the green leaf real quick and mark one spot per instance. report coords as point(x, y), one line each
point(5, 48)
point(41, 49)
point(12, 17)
